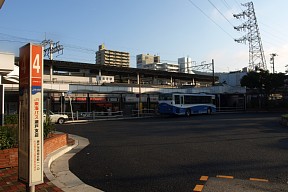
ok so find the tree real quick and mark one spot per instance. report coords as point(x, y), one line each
point(264, 83)
point(263, 80)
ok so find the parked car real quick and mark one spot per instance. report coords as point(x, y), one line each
point(55, 118)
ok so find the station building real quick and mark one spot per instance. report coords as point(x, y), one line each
point(93, 87)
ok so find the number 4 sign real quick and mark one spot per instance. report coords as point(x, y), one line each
point(30, 153)
point(36, 66)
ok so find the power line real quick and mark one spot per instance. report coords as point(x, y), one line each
point(79, 48)
point(22, 38)
point(210, 18)
point(221, 13)
point(279, 38)
point(226, 4)
point(238, 4)
point(273, 35)
point(12, 41)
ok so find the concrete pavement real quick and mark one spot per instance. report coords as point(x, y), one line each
point(56, 167)
point(67, 181)
point(215, 184)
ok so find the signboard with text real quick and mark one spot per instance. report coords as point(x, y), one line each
point(30, 115)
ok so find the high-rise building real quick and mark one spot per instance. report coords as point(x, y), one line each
point(112, 58)
point(144, 59)
point(185, 65)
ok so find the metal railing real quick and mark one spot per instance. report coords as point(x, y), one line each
point(94, 115)
point(143, 113)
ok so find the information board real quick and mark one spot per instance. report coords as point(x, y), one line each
point(31, 115)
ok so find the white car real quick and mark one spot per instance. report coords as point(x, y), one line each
point(55, 118)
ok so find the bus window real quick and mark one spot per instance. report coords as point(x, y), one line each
point(177, 99)
point(188, 99)
point(165, 97)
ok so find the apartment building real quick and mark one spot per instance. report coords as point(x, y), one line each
point(144, 59)
point(112, 58)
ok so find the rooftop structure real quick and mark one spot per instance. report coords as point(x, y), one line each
point(185, 65)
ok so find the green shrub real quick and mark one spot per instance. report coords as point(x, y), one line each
point(10, 119)
point(285, 116)
point(48, 127)
point(9, 134)
point(8, 137)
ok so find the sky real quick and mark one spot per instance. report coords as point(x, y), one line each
point(200, 29)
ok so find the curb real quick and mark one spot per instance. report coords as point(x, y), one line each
point(61, 176)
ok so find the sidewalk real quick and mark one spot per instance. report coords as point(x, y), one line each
point(9, 182)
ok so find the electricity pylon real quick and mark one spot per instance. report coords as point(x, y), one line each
point(256, 52)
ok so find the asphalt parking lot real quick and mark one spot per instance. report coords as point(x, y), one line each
point(172, 153)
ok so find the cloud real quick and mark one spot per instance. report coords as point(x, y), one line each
point(229, 60)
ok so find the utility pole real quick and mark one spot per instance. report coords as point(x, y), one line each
point(48, 52)
point(53, 48)
point(272, 61)
point(213, 73)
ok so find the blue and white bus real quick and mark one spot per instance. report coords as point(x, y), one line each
point(186, 104)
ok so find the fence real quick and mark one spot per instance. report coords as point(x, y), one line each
point(94, 115)
point(143, 113)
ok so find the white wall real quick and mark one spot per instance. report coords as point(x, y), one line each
point(232, 79)
point(185, 65)
point(6, 62)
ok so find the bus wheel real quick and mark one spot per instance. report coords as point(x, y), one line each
point(209, 111)
point(188, 112)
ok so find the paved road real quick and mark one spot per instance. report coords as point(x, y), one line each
point(170, 154)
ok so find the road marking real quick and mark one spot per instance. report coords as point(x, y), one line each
point(257, 179)
point(225, 176)
point(204, 178)
point(198, 188)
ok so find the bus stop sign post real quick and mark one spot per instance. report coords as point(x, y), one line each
point(30, 153)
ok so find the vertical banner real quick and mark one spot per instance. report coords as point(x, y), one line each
point(31, 115)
